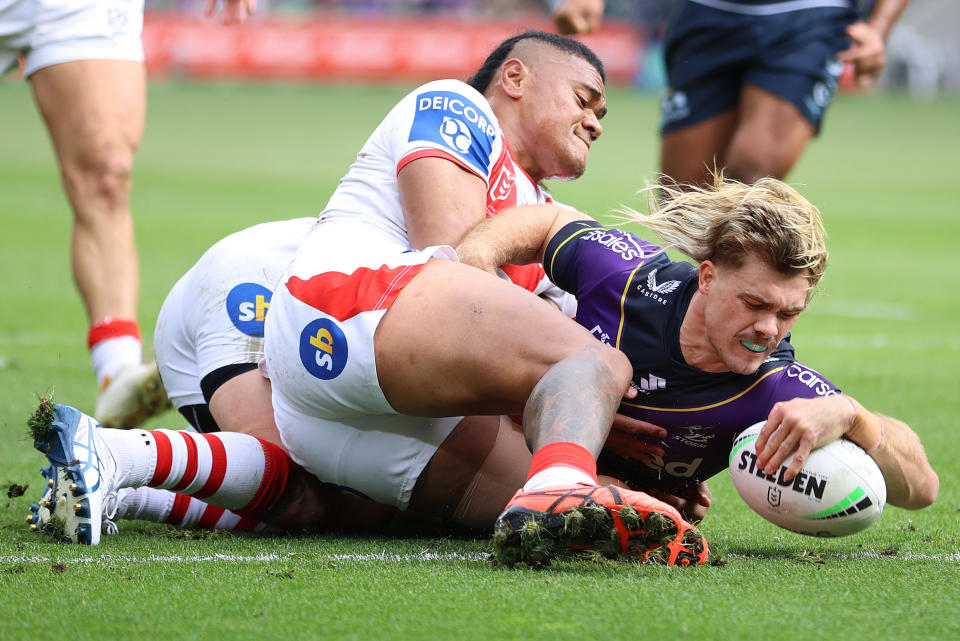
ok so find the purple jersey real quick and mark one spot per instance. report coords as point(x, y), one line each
point(633, 297)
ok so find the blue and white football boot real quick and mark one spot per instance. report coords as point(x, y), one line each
point(81, 474)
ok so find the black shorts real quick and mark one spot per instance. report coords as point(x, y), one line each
point(199, 416)
point(711, 53)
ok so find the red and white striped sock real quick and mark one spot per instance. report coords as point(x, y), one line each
point(189, 512)
point(164, 506)
point(561, 463)
point(227, 469)
point(113, 344)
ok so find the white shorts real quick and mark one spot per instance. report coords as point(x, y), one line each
point(214, 315)
point(329, 408)
point(48, 32)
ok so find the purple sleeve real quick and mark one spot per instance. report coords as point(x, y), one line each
point(799, 381)
point(584, 253)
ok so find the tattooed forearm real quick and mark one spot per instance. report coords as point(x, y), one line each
point(575, 401)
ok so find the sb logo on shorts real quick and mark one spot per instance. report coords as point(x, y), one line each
point(323, 349)
point(247, 305)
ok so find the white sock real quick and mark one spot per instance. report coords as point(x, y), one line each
point(145, 503)
point(111, 355)
point(557, 476)
point(135, 452)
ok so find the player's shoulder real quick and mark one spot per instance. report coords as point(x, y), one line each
point(451, 95)
point(796, 380)
point(617, 248)
point(449, 84)
point(449, 117)
point(586, 255)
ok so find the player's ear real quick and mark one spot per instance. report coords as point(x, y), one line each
point(707, 276)
point(513, 77)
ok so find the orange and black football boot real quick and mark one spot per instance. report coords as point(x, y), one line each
point(555, 522)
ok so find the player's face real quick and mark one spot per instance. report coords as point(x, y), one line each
point(749, 310)
point(566, 101)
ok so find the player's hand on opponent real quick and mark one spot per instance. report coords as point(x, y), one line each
point(635, 439)
point(234, 11)
point(577, 16)
point(868, 53)
point(801, 425)
point(692, 502)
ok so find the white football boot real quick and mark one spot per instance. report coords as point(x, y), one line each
point(81, 475)
point(132, 396)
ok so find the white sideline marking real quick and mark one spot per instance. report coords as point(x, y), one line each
point(906, 556)
point(259, 558)
point(422, 556)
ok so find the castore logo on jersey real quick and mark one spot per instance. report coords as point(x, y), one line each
point(656, 291)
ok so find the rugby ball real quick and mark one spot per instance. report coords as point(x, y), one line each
point(838, 491)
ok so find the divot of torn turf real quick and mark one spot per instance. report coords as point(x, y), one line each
point(38, 425)
point(56, 528)
point(15, 490)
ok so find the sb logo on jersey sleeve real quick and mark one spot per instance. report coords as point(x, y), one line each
point(453, 122)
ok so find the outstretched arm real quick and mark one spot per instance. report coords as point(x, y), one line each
point(804, 424)
point(517, 236)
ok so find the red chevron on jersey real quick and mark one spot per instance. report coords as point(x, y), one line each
point(343, 296)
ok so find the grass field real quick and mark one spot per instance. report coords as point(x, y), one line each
point(219, 158)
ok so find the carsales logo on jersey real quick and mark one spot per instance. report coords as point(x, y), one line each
point(247, 305)
point(809, 378)
point(614, 242)
point(323, 349)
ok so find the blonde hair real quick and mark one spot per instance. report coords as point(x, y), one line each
point(728, 221)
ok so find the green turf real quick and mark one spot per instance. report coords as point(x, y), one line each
point(218, 158)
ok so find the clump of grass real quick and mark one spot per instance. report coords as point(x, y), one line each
point(38, 425)
point(573, 522)
point(631, 518)
point(532, 530)
point(657, 524)
point(56, 527)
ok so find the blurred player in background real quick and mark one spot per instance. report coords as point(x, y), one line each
point(749, 80)
point(84, 61)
